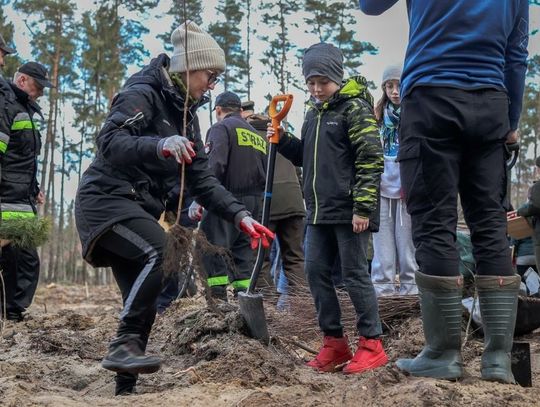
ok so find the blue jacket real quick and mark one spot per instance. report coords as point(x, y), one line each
point(466, 44)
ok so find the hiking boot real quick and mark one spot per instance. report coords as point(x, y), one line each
point(440, 303)
point(498, 306)
point(334, 353)
point(125, 384)
point(219, 292)
point(15, 316)
point(369, 355)
point(126, 355)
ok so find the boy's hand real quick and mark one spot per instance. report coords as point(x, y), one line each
point(270, 131)
point(360, 224)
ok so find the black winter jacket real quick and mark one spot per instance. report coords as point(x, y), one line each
point(19, 186)
point(341, 157)
point(237, 155)
point(128, 179)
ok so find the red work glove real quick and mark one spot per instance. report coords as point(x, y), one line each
point(256, 232)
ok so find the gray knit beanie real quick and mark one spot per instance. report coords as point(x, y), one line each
point(203, 51)
point(392, 72)
point(323, 60)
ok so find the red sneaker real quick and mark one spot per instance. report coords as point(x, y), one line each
point(369, 355)
point(333, 355)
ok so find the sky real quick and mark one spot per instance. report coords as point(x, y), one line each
point(388, 32)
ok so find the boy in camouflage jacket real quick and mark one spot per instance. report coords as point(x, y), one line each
point(342, 162)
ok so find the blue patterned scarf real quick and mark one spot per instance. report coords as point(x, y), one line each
point(389, 130)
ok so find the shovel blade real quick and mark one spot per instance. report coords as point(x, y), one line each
point(252, 309)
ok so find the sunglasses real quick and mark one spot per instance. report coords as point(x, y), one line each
point(213, 77)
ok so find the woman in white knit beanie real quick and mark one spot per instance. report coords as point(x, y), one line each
point(205, 60)
point(121, 195)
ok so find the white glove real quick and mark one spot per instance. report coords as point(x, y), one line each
point(195, 211)
point(177, 146)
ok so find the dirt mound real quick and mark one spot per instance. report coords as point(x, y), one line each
point(52, 359)
point(216, 346)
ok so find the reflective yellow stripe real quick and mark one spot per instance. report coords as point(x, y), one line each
point(241, 283)
point(3, 147)
point(215, 281)
point(23, 125)
point(249, 139)
point(17, 215)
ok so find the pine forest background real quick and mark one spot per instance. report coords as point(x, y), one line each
point(88, 51)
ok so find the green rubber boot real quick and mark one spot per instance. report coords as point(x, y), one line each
point(440, 302)
point(498, 307)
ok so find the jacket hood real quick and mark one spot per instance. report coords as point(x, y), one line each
point(156, 75)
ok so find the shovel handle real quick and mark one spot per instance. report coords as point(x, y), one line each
point(278, 115)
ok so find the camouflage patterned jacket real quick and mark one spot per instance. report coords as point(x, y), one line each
point(341, 155)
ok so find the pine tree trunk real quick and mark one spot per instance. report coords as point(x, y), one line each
point(248, 51)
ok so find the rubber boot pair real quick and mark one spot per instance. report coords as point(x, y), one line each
point(440, 303)
point(335, 354)
point(126, 354)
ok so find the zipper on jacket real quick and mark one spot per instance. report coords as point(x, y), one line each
point(319, 114)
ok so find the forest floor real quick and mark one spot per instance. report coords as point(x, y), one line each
point(53, 359)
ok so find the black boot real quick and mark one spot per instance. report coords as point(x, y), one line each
point(219, 292)
point(125, 384)
point(126, 354)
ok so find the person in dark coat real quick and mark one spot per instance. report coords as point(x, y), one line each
point(19, 189)
point(531, 209)
point(237, 157)
point(461, 95)
point(121, 195)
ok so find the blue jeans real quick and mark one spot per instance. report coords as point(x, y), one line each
point(322, 244)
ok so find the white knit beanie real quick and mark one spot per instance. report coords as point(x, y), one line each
point(392, 72)
point(203, 51)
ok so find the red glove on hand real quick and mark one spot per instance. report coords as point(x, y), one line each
point(256, 232)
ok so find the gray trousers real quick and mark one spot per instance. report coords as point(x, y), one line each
point(393, 250)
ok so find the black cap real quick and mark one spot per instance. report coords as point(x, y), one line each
point(248, 105)
point(38, 72)
point(4, 47)
point(228, 99)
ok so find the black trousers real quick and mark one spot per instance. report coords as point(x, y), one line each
point(134, 250)
point(452, 141)
point(290, 234)
point(20, 271)
point(221, 233)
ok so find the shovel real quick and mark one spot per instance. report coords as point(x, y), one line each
point(251, 303)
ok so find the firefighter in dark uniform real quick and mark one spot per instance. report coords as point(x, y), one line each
point(237, 156)
point(19, 190)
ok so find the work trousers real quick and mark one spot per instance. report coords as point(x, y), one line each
point(452, 141)
point(224, 234)
point(20, 272)
point(289, 232)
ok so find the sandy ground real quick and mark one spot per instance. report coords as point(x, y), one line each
point(53, 359)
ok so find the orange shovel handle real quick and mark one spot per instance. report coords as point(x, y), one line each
point(278, 116)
